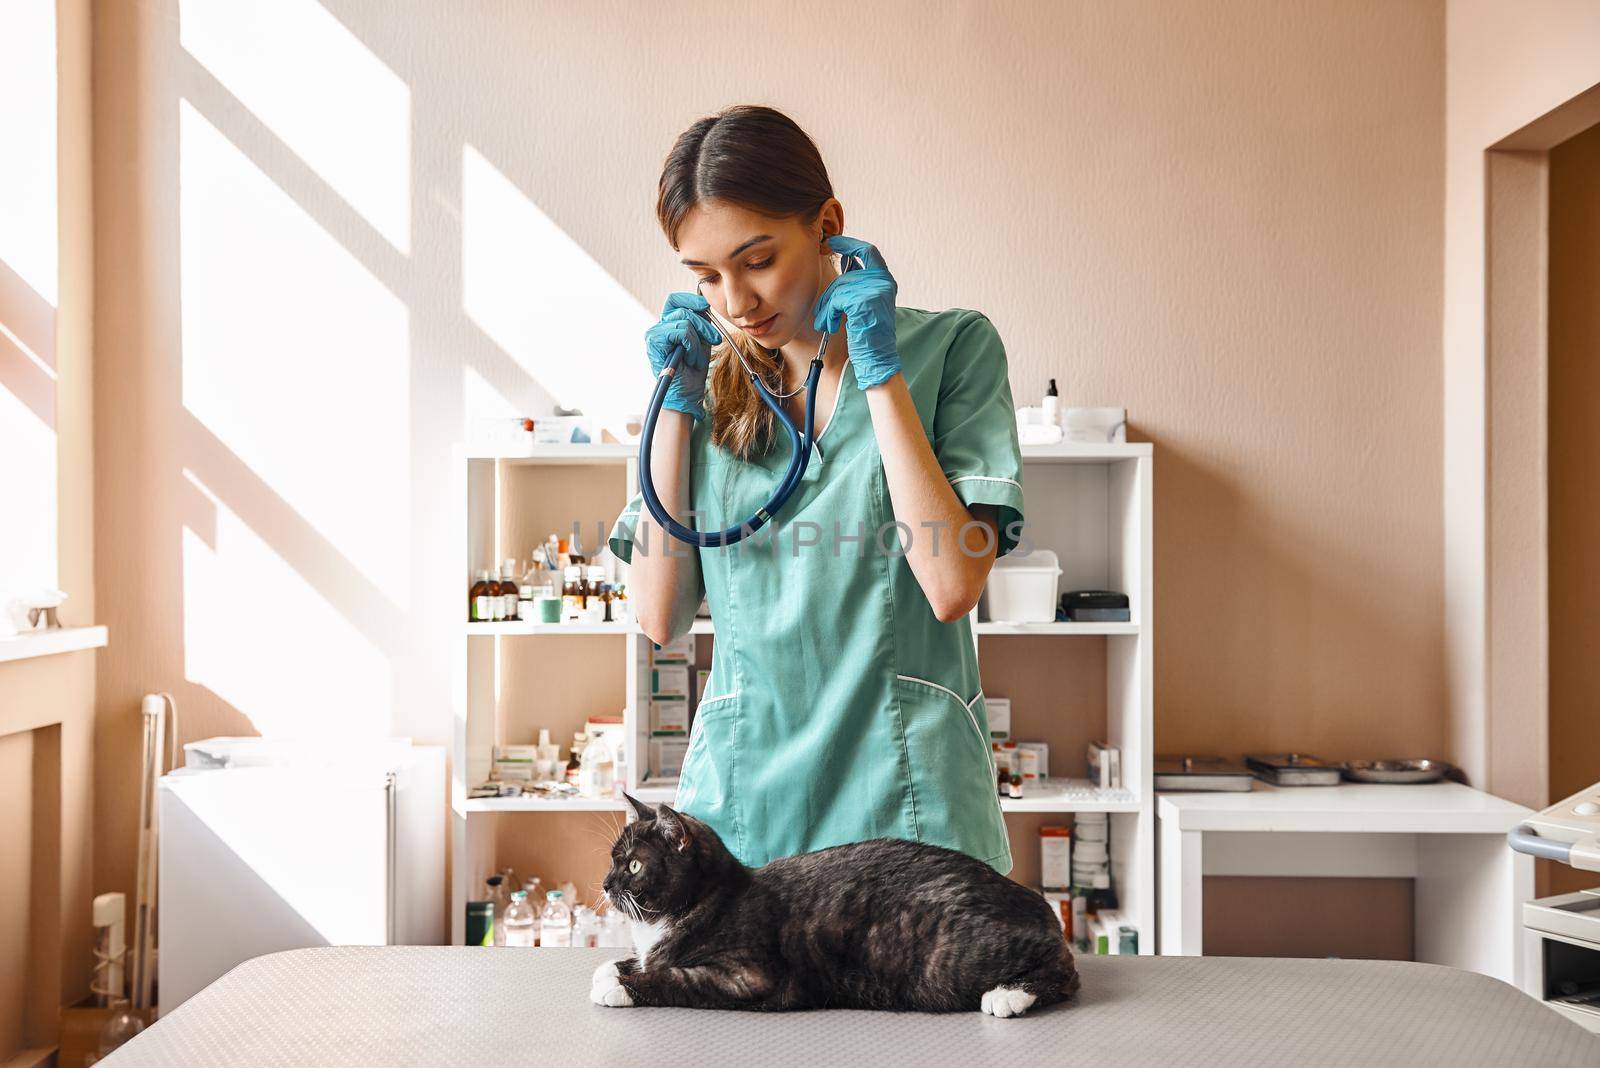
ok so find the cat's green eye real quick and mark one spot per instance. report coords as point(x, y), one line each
point(634, 866)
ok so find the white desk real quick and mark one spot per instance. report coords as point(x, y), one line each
point(1449, 838)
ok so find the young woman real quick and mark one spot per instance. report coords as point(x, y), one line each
point(844, 701)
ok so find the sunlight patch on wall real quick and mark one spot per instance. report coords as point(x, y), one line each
point(545, 301)
point(259, 636)
point(28, 295)
point(295, 357)
point(319, 88)
point(28, 143)
point(27, 501)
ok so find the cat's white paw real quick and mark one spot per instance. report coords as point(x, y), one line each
point(605, 975)
point(1004, 1001)
point(607, 989)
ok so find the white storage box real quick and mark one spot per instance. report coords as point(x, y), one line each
point(1096, 426)
point(1022, 589)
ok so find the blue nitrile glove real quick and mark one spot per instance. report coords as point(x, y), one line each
point(683, 327)
point(864, 298)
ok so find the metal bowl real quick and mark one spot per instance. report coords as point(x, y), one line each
point(1396, 771)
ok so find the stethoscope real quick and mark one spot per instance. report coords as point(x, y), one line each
point(799, 444)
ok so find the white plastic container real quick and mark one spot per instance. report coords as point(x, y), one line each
point(1096, 426)
point(1022, 589)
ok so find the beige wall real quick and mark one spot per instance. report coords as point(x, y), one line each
point(1226, 217)
point(47, 705)
point(1508, 65)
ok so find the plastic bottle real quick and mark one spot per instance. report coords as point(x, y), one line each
point(497, 895)
point(555, 925)
point(585, 927)
point(534, 888)
point(1052, 405)
point(519, 921)
point(597, 770)
point(614, 930)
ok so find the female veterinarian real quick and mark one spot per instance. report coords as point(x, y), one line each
point(844, 701)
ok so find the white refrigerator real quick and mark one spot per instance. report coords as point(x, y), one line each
point(275, 846)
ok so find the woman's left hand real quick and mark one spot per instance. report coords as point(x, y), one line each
point(864, 298)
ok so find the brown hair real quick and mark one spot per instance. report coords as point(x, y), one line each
point(758, 158)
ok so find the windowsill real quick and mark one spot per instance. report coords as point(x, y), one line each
point(50, 642)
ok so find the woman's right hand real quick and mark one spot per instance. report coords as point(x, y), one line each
point(685, 328)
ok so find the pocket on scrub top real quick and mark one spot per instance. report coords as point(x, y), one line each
point(952, 777)
point(705, 782)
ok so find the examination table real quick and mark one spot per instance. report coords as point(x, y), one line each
point(440, 1005)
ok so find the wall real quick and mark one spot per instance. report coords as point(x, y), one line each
point(47, 705)
point(1574, 749)
point(326, 238)
point(1507, 66)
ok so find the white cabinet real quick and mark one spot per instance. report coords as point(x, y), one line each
point(1073, 682)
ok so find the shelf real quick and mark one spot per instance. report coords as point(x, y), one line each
point(621, 453)
point(522, 626)
point(704, 626)
point(1055, 628)
point(543, 804)
point(651, 794)
point(1050, 795)
point(1072, 453)
point(1070, 795)
point(654, 793)
point(600, 453)
point(50, 642)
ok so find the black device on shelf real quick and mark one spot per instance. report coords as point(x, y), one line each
point(1095, 606)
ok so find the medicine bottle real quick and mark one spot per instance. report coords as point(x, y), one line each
point(575, 761)
point(508, 590)
point(597, 578)
point(478, 599)
point(572, 594)
point(607, 599)
point(497, 601)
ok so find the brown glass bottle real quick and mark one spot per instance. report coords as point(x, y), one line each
point(575, 761)
point(478, 599)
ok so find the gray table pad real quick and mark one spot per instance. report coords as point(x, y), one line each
point(441, 1005)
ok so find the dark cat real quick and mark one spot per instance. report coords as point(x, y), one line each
point(882, 924)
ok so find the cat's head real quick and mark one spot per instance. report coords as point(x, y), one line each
point(663, 862)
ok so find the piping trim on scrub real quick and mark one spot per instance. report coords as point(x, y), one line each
point(966, 706)
point(985, 478)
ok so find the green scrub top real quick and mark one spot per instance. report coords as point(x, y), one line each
point(838, 707)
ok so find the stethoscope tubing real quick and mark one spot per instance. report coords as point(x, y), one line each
point(800, 445)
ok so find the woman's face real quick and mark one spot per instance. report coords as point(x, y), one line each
point(762, 274)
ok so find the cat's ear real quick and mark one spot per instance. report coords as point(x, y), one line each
point(674, 827)
point(640, 809)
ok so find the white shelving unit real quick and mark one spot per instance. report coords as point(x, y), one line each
point(1091, 505)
